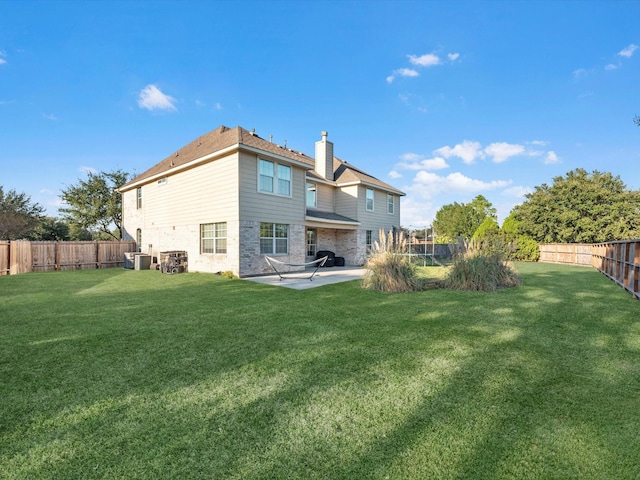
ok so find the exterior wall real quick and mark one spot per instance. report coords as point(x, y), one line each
point(378, 218)
point(173, 209)
point(346, 201)
point(264, 207)
point(325, 197)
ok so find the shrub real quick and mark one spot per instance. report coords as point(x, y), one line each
point(481, 271)
point(388, 269)
point(527, 249)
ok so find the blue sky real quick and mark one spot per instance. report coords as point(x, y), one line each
point(444, 100)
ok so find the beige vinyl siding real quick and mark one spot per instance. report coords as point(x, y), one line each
point(205, 194)
point(264, 207)
point(379, 218)
point(347, 201)
point(325, 198)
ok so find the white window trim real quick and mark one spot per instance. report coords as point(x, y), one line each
point(215, 240)
point(315, 195)
point(275, 178)
point(391, 197)
point(366, 200)
point(274, 239)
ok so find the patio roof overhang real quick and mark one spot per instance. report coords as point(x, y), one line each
point(320, 219)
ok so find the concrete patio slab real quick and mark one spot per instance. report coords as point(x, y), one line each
point(300, 280)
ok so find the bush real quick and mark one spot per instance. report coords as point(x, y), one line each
point(388, 269)
point(527, 250)
point(481, 271)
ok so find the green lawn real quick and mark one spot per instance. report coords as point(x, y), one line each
point(134, 374)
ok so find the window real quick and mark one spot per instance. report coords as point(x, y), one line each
point(274, 178)
point(312, 200)
point(274, 238)
point(139, 195)
point(284, 180)
point(213, 237)
point(265, 183)
point(369, 239)
point(390, 205)
point(369, 200)
point(139, 239)
point(312, 242)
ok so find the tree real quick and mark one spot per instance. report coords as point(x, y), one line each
point(95, 204)
point(19, 216)
point(462, 219)
point(487, 230)
point(580, 208)
point(636, 120)
point(50, 228)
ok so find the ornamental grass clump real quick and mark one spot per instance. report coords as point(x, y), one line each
point(481, 271)
point(388, 268)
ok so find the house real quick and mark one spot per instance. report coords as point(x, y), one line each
point(230, 197)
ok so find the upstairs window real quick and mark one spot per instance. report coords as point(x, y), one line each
point(266, 176)
point(369, 200)
point(312, 199)
point(139, 197)
point(274, 178)
point(390, 204)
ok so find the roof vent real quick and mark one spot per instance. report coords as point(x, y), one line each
point(253, 131)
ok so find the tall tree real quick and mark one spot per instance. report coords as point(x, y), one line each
point(581, 208)
point(95, 204)
point(462, 219)
point(19, 216)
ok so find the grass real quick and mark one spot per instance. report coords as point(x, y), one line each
point(133, 374)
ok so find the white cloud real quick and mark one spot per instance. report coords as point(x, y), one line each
point(430, 184)
point(427, 60)
point(402, 72)
point(3, 54)
point(628, 51)
point(517, 192)
point(611, 66)
point(413, 161)
point(152, 98)
point(468, 151)
point(218, 106)
point(88, 170)
point(551, 157)
point(50, 116)
point(540, 143)
point(453, 56)
point(394, 174)
point(502, 151)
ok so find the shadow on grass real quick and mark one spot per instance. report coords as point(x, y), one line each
point(195, 376)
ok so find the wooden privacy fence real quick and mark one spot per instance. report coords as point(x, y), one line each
point(24, 256)
point(620, 260)
point(569, 253)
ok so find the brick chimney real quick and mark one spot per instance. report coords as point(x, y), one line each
point(324, 157)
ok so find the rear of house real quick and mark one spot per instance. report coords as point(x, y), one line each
point(229, 198)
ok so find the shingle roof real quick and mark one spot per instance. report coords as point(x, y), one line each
point(214, 141)
point(346, 173)
point(223, 137)
point(329, 216)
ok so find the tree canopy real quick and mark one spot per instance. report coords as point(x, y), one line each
point(580, 208)
point(95, 204)
point(462, 219)
point(19, 216)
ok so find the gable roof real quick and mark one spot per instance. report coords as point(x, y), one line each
point(217, 141)
point(222, 140)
